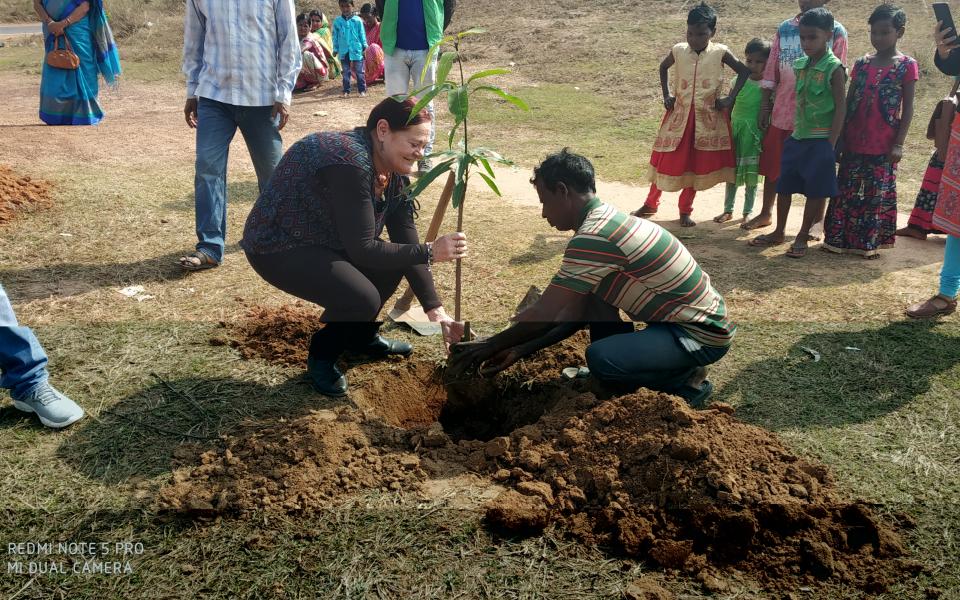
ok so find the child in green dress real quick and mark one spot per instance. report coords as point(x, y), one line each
point(747, 136)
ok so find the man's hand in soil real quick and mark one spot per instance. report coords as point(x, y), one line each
point(279, 108)
point(190, 112)
point(466, 357)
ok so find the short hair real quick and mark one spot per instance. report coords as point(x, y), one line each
point(302, 18)
point(889, 12)
point(316, 13)
point(703, 14)
point(396, 111)
point(350, 2)
point(572, 169)
point(820, 18)
point(758, 46)
point(367, 9)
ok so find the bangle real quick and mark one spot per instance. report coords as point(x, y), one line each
point(429, 255)
point(68, 21)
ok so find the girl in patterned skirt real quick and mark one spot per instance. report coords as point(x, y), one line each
point(862, 219)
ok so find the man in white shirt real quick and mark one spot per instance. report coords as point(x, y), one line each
point(241, 61)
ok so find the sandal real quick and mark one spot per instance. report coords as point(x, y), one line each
point(938, 306)
point(197, 261)
point(764, 240)
point(796, 251)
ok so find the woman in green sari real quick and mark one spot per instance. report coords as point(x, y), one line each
point(69, 96)
point(320, 29)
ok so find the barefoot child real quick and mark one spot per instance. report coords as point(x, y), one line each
point(779, 101)
point(747, 135)
point(808, 163)
point(349, 43)
point(862, 219)
point(693, 150)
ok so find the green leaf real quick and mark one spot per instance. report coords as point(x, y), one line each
point(453, 134)
point(423, 181)
point(424, 101)
point(487, 73)
point(492, 155)
point(486, 165)
point(444, 66)
point(508, 97)
point(434, 50)
point(460, 189)
point(493, 186)
point(458, 100)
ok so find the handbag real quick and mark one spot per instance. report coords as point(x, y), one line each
point(63, 58)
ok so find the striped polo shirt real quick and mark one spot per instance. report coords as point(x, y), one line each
point(642, 269)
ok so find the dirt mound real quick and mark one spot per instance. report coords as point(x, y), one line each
point(295, 466)
point(644, 474)
point(689, 490)
point(281, 335)
point(21, 194)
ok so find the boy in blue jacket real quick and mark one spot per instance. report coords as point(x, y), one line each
point(349, 42)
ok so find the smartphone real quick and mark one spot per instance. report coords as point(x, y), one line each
point(942, 11)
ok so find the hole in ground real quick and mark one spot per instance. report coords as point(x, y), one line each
point(412, 394)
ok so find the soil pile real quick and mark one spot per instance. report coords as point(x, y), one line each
point(294, 466)
point(280, 335)
point(20, 194)
point(689, 490)
point(692, 491)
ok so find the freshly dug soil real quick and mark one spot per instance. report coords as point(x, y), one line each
point(19, 194)
point(280, 335)
point(643, 474)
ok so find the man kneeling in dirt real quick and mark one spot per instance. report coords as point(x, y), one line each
point(614, 262)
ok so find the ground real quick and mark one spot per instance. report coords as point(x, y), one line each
point(880, 408)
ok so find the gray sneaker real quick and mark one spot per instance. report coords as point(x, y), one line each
point(54, 409)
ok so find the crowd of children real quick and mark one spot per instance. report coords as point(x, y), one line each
point(350, 48)
point(793, 120)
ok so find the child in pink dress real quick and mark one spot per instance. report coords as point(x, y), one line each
point(862, 219)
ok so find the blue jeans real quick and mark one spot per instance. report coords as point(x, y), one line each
point(402, 66)
point(217, 123)
point(357, 67)
point(653, 357)
point(950, 273)
point(23, 363)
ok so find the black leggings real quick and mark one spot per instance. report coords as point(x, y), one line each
point(351, 296)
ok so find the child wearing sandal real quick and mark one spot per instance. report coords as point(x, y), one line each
point(747, 135)
point(808, 163)
point(862, 218)
point(693, 150)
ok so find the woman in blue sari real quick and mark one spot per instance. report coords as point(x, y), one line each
point(69, 96)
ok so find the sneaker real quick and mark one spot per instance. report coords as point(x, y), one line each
point(54, 409)
point(424, 166)
point(326, 377)
point(363, 94)
point(346, 94)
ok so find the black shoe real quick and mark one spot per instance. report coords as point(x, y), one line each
point(381, 347)
point(697, 397)
point(326, 377)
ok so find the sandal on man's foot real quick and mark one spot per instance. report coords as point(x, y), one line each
point(757, 222)
point(764, 240)
point(796, 251)
point(938, 306)
point(197, 261)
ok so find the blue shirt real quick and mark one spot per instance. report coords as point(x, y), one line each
point(241, 53)
point(349, 38)
point(411, 26)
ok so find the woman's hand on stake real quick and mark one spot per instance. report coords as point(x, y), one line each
point(669, 102)
point(452, 246)
point(452, 330)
